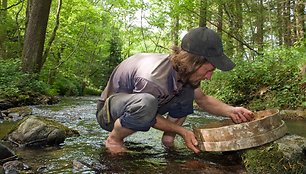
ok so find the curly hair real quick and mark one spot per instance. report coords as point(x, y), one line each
point(185, 63)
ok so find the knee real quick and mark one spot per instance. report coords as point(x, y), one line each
point(140, 113)
point(148, 100)
point(144, 105)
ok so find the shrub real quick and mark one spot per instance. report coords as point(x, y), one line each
point(270, 81)
point(67, 86)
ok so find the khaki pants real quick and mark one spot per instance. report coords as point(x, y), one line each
point(135, 111)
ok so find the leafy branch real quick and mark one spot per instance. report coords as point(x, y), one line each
point(3, 9)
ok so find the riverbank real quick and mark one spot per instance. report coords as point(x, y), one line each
point(27, 99)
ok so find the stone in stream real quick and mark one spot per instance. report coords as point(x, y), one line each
point(15, 166)
point(37, 131)
point(6, 154)
point(16, 113)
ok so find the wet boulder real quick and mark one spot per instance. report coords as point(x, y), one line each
point(4, 104)
point(38, 131)
point(15, 167)
point(285, 155)
point(6, 154)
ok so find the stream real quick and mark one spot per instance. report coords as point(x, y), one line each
point(87, 154)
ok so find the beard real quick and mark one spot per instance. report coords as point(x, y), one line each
point(194, 84)
point(185, 79)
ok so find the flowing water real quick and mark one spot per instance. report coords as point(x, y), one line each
point(87, 154)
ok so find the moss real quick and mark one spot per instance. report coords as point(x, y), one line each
point(7, 127)
point(53, 123)
point(268, 159)
point(23, 111)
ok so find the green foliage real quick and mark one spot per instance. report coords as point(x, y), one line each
point(92, 91)
point(67, 86)
point(270, 81)
point(14, 83)
point(10, 77)
point(10, 34)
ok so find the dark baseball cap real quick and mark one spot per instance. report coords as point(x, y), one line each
point(205, 42)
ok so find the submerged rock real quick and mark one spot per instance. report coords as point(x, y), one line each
point(37, 131)
point(6, 154)
point(286, 155)
point(15, 167)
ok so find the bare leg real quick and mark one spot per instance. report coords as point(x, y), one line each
point(168, 137)
point(114, 142)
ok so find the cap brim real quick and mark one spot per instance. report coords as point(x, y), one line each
point(222, 62)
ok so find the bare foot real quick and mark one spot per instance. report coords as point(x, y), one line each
point(115, 147)
point(168, 141)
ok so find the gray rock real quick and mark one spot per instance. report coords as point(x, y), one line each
point(6, 154)
point(37, 131)
point(15, 167)
point(14, 116)
point(16, 113)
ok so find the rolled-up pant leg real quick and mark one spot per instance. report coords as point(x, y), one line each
point(135, 111)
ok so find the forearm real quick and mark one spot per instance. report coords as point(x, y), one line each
point(166, 125)
point(215, 106)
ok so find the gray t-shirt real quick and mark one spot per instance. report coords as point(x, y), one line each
point(153, 74)
point(144, 73)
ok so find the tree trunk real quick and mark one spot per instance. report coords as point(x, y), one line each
point(287, 23)
point(220, 19)
point(239, 27)
point(35, 35)
point(175, 22)
point(52, 37)
point(203, 13)
point(29, 7)
point(175, 30)
point(229, 7)
point(3, 13)
point(259, 25)
point(300, 20)
point(3, 6)
point(280, 22)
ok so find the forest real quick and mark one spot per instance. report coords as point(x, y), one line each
point(69, 48)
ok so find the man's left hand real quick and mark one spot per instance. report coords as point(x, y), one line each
point(241, 114)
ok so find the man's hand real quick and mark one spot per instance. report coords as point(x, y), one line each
point(240, 115)
point(190, 141)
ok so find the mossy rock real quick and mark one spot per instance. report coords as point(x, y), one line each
point(37, 131)
point(6, 154)
point(286, 155)
point(21, 111)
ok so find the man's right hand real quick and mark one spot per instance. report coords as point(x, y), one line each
point(168, 126)
point(191, 141)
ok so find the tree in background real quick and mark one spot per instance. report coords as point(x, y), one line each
point(37, 20)
point(114, 58)
point(3, 16)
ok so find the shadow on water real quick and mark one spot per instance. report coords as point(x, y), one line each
point(87, 153)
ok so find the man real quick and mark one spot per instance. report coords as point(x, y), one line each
point(146, 86)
